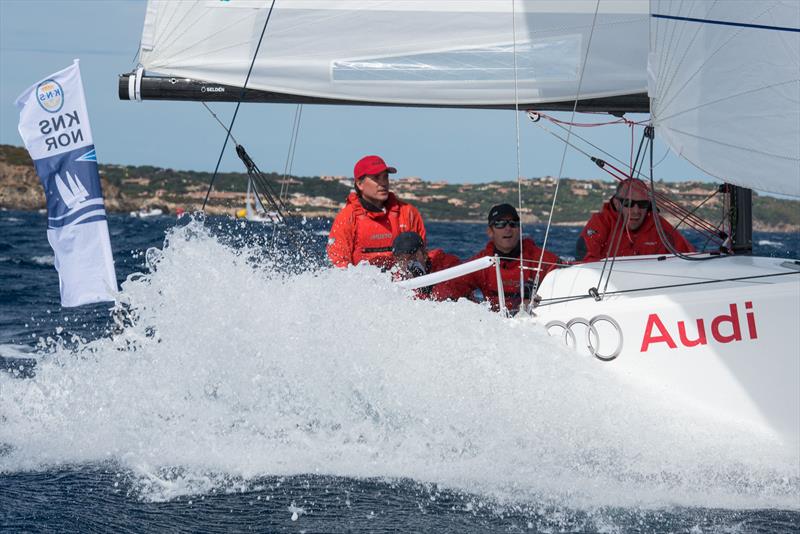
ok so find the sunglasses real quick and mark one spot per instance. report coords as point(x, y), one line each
point(629, 203)
point(503, 223)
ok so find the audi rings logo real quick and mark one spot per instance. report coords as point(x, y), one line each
point(596, 343)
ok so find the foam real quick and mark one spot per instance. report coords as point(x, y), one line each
point(230, 368)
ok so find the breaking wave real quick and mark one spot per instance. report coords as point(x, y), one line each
point(226, 368)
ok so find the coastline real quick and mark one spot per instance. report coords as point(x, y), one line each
point(148, 190)
point(219, 210)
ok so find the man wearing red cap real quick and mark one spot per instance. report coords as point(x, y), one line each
point(371, 218)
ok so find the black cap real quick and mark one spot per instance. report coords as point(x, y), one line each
point(407, 243)
point(502, 211)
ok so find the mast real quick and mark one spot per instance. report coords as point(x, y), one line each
point(741, 217)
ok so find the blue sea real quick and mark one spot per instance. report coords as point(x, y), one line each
point(237, 386)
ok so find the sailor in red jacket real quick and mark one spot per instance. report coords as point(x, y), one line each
point(372, 217)
point(413, 259)
point(601, 234)
point(503, 232)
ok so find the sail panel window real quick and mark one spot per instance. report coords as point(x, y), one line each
point(550, 60)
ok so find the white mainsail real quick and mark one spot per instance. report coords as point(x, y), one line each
point(725, 88)
point(410, 52)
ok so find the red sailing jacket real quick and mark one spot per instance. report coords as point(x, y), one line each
point(486, 279)
point(360, 235)
point(597, 237)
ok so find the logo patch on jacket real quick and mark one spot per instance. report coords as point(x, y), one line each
point(590, 232)
point(331, 241)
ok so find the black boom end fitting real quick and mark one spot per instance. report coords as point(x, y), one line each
point(245, 157)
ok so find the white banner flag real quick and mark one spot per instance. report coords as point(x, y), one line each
point(54, 125)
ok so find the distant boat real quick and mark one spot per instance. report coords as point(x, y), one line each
point(253, 209)
point(144, 214)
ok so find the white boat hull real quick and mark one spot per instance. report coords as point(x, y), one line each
point(731, 347)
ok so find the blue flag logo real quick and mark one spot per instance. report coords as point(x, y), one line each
point(50, 96)
point(59, 139)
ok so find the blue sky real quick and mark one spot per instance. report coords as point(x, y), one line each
point(39, 37)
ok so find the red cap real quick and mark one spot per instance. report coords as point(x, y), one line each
point(371, 165)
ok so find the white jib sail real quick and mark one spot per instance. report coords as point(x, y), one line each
point(459, 52)
point(724, 82)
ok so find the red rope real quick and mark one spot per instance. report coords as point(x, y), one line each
point(664, 202)
point(671, 206)
point(621, 120)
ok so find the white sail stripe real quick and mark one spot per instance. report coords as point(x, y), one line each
point(85, 216)
point(78, 208)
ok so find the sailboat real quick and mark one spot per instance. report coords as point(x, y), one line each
point(253, 209)
point(719, 79)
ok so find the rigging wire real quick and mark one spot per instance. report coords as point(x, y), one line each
point(536, 115)
point(220, 122)
point(673, 207)
point(238, 104)
point(564, 153)
point(620, 226)
point(694, 209)
point(516, 124)
point(287, 168)
point(657, 219)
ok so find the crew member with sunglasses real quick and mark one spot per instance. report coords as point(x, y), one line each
point(625, 227)
point(504, 241)
point(371, 219)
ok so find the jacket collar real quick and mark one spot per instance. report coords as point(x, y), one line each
point(527, 244)
point(392, 204)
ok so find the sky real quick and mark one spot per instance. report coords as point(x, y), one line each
point(39, 37)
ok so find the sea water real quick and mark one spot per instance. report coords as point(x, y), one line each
point(238, 385)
